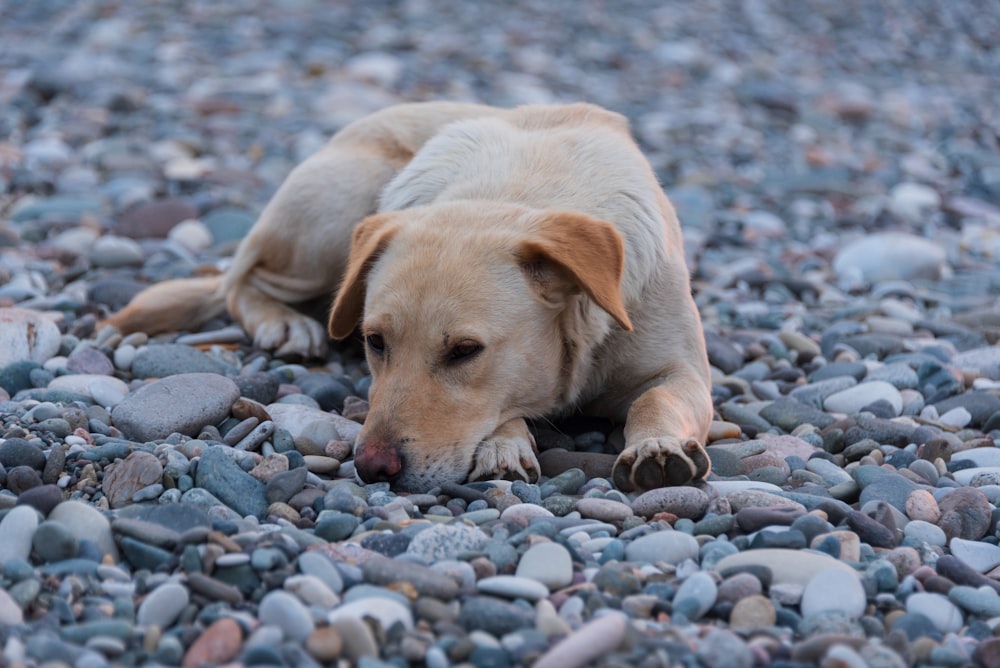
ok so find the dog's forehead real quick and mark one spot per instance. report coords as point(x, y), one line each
point(442, 289)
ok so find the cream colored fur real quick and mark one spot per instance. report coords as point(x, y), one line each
point(536, 237)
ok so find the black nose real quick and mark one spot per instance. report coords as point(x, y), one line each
point(378, 461)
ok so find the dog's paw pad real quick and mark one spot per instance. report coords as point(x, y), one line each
point(505, 459)
point(660, 462)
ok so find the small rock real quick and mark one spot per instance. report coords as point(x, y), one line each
point(123, 479)
point(218, 644)
point(284, 610)
point(671, 547)
point(945, 616)
point(162, 606)
point(548, 563)
point(27, 336)
point(689, 502)
point(834, 590)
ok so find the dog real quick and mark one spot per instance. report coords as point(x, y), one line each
point(500, 265)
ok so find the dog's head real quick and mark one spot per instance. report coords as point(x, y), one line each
point(461, 307)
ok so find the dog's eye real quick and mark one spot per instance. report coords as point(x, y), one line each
point(375, 343)
point(464, 352)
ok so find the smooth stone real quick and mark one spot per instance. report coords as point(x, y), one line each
point(512, 586)
point(16, 452)
point(320, 566)
point(446, 541)
point(965, 477)
point(689, 502)
point(888, 256)
point(980, 457)
point(789, 414)
point(921, 505)
point(595, 639)
point(605, 510)
point(162, 606)
point(752, 612)
point(53, 542)
point(671, 547)
point(945, 616)
point(834, 590)
point(983, 602)
point(385, 611)
point(695, 596)
point(983, 557)
point(979, 362)
point(154, 219)
point(17, 529)
point(523, 513)
point(27, 335)
point(925, 532)
point(216, 645)
point(195, 400)
point(548, 563)
point(10, 612)
point(42, 498)
point(219, 475)
point(111, 252)
point(312, 425)
point(86, 523)
point(795, 567)
point(311, 591)
point(286, 611)
point(853, 399)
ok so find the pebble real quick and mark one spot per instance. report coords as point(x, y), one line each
point(689, 502)
point(942, 613)
point(285, 611)
point(983, 557)
point(853, 399)
point(833, 590)
point(162, 606)
point(512, 586)
point(591, 641)
point(17, 529)
point(548, 563)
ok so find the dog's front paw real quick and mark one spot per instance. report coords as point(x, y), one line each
point(293, 334)
point(660, 462)
point(505, 458)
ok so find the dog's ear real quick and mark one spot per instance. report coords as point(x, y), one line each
point(588, 251)
point(369, 239)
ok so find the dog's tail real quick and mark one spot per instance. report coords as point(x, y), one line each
point(180, 304)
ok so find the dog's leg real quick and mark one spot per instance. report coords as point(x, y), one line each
point(507, 454)
point(664, 435)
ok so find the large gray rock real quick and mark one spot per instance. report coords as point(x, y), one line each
point(183, 403)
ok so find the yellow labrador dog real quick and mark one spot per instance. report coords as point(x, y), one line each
point(501, 264)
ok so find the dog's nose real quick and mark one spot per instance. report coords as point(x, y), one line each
point(378, 461)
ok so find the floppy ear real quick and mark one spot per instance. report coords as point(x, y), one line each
point(369, 239)
point(590, 251)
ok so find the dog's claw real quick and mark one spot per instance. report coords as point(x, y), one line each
point(505, 459)
point(660, 462)
point(298, 335)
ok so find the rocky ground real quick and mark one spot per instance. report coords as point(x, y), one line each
point(187, 500)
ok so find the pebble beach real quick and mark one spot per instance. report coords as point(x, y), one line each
point(188, 500)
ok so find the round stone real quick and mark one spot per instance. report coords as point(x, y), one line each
point(834, 590)
point(945, 616)
point(54, 542)
point(86, 523)
point(689, 502)
point(125, 478)
point(17, 530)
point(752, 612)
point(512, 586)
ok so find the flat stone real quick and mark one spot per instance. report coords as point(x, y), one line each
point(512, 586)
point(605, 510)
point(695, 596)
point(796, 567)
point(10, 611)
point(965, 513)
point(853, 399)
point(195, 400)
point(385, 571)
point(979, 361)
point(671, 547)
point(154, 219)
point(689, 502)
point(105, 391)
point(311, 591)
